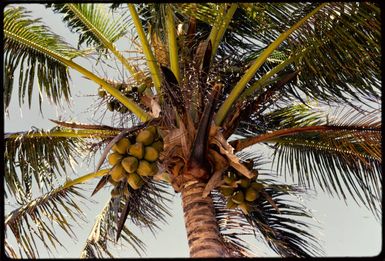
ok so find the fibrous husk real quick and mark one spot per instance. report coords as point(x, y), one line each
point(150, 154)
point(114, 158)
point(130, 164)
point(137, 150)
point(121, 146)
point(146, 137)
point(146, 168)
point(118, 173)
point(135, 181)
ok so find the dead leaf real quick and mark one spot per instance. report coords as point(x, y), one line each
point(228, 151)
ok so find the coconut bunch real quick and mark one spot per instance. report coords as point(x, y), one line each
point(133, 158)
point(240, 191)
point(132, 92)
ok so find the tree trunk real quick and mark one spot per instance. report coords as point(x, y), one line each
point(203, 234)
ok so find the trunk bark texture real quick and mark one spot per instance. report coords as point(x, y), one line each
point(203, 234)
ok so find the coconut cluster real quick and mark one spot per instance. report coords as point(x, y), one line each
point(135, 157)
point(113, 104)
point(240, 191)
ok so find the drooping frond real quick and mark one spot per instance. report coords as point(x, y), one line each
point(42, 155)
point(103, 231)
point(92, 22)
point(283, 224)
point(144, 208)
point(28, 45)
point(35, 221)
point(232, 225)
point(338, 161)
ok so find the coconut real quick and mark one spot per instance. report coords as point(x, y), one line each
point(111, 106)
point(153, 130)
point(134, 180)
point(114, 158)
point(102, 93)
point(115, 192)
point(256, 186)
point(150, 154)
point(113, 182)
point(158, 145)
point(244, 183)
point(117, 172)
point(251, 194)
point(231, 204)
point(145, 136)
point(136, 150)
point(126, 192)
point(121, 146)
point(226, 191)
point(130, 164)
point(146, 168)
point(230, 177)
point(238, 197)
point(244, 207)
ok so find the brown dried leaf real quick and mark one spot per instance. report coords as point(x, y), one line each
point(226, 149)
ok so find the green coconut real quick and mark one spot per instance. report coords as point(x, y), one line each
point(231, 204)
point(251, 194)
point(135, 181)
point(158, 145)
point(150, 154)
point(130, 164)
point(115, 192)
point(146, 168)
point(136, 150)
point(244, 207)
point(118, 173)
point(256, 186)
point(244, 182)
point(226, 191)
point(238, 197)
point(114, 158)
point(121, 146)
point(230, 177)
point(146, 137)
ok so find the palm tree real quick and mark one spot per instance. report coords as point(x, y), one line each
point(208, 82)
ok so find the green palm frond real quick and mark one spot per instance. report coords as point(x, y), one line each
point(344, 159)
point(231, 222)
point(43, 155)
point(103, 231)
point(92, 22)
point(36, 220)
point(145, 209)
point(19, 32)
point(283, 225)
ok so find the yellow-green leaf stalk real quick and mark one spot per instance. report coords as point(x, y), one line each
point(152, 65)
point(239, 87)
point(108, 44)
point(218, 19)
point(85, 178)
point(130, 104)
point(68, 133)
point(222, 27)
point(172, 42)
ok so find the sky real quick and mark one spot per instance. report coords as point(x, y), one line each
point(344, 229)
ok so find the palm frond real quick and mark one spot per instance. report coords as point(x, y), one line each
point(19, 32)
point(92, 22)
point(145, 209)
point(35, 220)
point(283, 225)
point(103, 231)
point(40, 155)
point(339, 161)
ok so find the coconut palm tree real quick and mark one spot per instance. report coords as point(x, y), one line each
point(208, 81)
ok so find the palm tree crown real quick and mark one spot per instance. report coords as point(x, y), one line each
point(205, 83)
